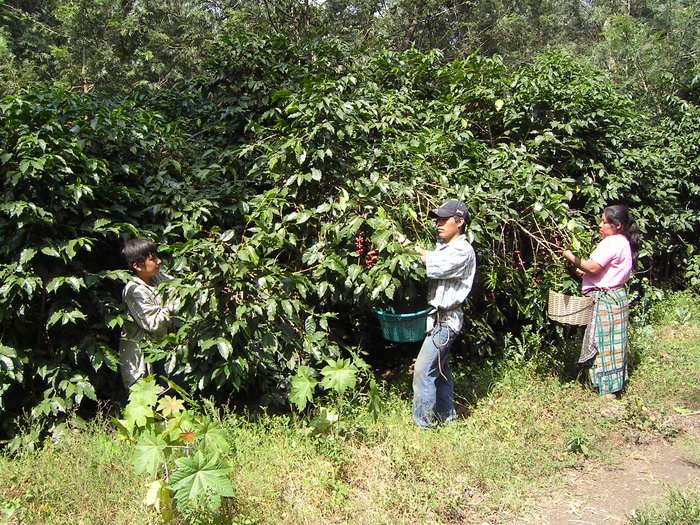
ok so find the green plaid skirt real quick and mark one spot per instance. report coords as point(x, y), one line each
point(605, 342)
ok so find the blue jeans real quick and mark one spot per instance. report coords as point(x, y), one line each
point(433, 388)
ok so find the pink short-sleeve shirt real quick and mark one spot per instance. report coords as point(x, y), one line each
point(614, 254)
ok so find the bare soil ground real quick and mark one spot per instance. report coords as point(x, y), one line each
point(607, 495)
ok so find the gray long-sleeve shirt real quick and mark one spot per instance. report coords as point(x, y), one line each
point(150, 317)
point(450, 268)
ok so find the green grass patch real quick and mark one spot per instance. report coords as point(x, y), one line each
point(84, 478)
point(680, 507)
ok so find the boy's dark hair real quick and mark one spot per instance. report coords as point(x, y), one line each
point(135, 251)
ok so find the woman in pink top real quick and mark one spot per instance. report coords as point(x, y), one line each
point(604, 276)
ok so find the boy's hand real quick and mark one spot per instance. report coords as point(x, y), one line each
point(403, 240)
point(422, 252)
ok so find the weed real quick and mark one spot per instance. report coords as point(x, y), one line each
point(578, 441)
point(679, 508)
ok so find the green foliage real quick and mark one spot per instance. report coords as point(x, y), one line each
point(199, 478)
point(678, 507)
point(106, 46)
point(339, 381)
point(258, 180)
point(579, 441)
point(339, 375)
point(650, 47)
point(179, 448)
point(303, 384)
point(652, 51)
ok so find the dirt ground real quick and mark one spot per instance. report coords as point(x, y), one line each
point(607, 495)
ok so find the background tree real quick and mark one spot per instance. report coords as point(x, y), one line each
point(109, 46)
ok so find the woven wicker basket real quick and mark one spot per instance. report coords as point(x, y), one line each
point(569, 309)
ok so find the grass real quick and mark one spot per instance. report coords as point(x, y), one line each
point(680, 508)
point(516, 437)
point(84, 479)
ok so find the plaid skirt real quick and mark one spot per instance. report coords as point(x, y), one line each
point(605, 342)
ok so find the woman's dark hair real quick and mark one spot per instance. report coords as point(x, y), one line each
point(619, 215)
point(135, 251)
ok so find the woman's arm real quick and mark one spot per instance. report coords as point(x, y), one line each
point(588, 266)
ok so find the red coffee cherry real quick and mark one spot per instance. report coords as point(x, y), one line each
point(360, 243)
point(372, 256)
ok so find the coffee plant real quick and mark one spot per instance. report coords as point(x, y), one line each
point(276, 185)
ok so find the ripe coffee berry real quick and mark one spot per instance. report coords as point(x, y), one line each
point(371, 258)
point(360, 243)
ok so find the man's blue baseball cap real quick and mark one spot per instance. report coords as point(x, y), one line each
point(451, 208)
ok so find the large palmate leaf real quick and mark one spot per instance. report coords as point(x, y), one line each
point(170, 406)
point(143, 395)
point(199, 477)
point(137, 414)
point(339, 375)
point(149, 453)
point(212, 437)
point(303, 384)
point(144, 392)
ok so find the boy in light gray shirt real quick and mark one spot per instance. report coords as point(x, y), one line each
point(150, 316)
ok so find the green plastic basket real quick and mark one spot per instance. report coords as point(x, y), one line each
point(402, 328)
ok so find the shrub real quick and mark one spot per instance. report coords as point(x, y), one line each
point(259, 180)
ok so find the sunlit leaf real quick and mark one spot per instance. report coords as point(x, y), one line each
point(339, 375)
point(149, 453)
point(170, 406)
point(303, 384)
point(199, 476)
point(144, 391)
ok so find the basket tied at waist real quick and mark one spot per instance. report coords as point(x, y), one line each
point(403, 328)
point(569, 309)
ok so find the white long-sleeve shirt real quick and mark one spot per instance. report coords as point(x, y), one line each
point(150, 317)
point(450, 268)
